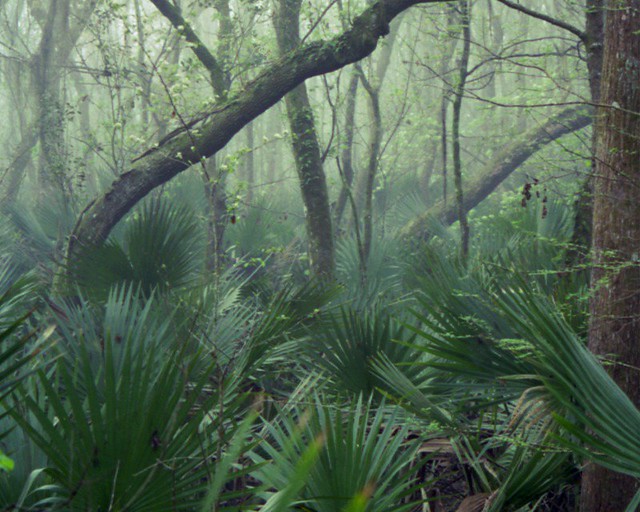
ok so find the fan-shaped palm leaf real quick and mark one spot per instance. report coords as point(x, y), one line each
point(126, 429)
point(160, 250)
point(362, 450)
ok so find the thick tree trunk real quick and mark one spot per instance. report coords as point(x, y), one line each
point(501, 166)
point(306, 150)
point(211, 132)
point(615, 305)
point(60, 32)
point(45, 83)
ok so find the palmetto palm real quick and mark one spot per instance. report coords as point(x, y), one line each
point(127, 422)
point(362, 454)
point(19, 346)
point(344, 348)
point(160, 250)
point(499, 339)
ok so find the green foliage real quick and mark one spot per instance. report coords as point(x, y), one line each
point(161, 250)
point(381, 282)
point(344, 349)
point(124, 425)
point(19, 349)
point(597, 416)
point(363, 455)
point(32, 236)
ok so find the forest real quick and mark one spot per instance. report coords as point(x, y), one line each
point(320, 255)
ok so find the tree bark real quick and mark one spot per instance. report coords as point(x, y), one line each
point(306, 151)
point(211, 132)
point(501, 166)
point(375, 143)
point(593, 38)
point(455, 128)
point(45, 83)
point(346, 160)
point(615, 306)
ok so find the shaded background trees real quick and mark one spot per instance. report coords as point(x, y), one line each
point(399, 118)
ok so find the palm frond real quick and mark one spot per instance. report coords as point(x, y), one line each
point(343, 351)
point(362, 450)
point(599, 417)
point(160, 250)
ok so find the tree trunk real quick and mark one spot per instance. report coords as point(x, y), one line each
point(45, 83)
point(306, 151)
point(346, 160)
point(183, 147)
point(615, 305)
point(455, 128)
point(217, 215)
point(60, 32)
point(594, 36)
point(500, 167)
point(249, 164)
point(375, 138)
point(375, 142)
point(581, 239)
point(453, 22)
point(214, 181)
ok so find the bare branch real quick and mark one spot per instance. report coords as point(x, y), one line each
point(172, 13)
point(549, 19)
point(186, 147)
point(501, 166)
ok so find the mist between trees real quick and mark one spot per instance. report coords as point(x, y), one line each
point(410, 218)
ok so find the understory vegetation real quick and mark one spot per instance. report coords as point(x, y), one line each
point(320, 255)
point(433, 384)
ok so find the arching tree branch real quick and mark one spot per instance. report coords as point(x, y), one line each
point(549, 19)
point(502, 165)
point(213, 131)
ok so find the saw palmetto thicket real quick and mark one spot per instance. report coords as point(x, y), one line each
point(147, 382)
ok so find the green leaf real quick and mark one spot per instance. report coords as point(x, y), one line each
point(6, 464)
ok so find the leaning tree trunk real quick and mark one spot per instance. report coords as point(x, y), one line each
point(180, 149)
point(615, 305)
point(500, 168)
point(306, 150)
